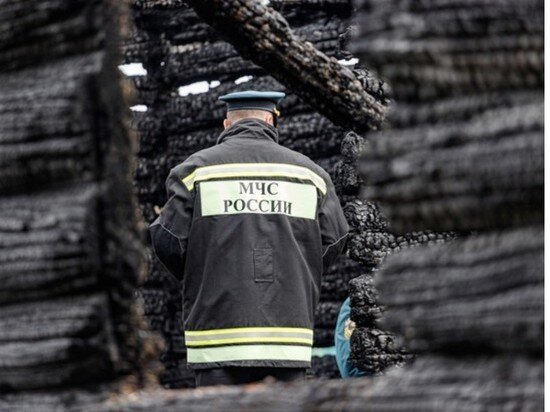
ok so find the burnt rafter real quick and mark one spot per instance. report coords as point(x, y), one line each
point(262, 35)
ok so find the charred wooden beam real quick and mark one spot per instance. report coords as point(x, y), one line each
point(481, 173)
point(480, 293)
point(71, 251)
point(263, 35)
point(468, 383)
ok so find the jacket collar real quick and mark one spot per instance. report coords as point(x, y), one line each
point(250, 128)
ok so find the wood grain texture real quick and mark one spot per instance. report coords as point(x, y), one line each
point(71, 252)
point(474, 294)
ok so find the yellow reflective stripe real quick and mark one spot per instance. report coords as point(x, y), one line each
point(249, 335)
point(251, 329)
point(249, 352)
point(209, 342)
point(253, 170)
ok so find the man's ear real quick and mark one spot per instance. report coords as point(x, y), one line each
point(226, 123)
point(269, 118)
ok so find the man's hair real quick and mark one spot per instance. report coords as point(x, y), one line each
point(235, 115)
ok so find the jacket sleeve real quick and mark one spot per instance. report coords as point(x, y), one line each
point(334, 228)
point(170, 231)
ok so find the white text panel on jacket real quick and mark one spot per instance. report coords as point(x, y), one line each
point(258, 196)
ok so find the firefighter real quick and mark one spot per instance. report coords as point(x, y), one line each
point(248, 228)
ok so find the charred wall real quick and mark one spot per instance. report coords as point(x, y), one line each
point(464, 154)
point(71, 251)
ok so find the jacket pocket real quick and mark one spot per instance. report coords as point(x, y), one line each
point(263, 265)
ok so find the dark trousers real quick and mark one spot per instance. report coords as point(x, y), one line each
point(242, 375)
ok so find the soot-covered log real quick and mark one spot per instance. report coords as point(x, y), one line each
point(371, 237)
point(374, 350)
point(481, 293)
point(455, 108)
point(261, 34)
point(469, 17)
point(481, 173)
point(71, 253)
point(464, 383)
point(468, 383)
point(365, 309)
point(68, 346)
point(55, 400)
point(49, 244)
point(346, 178)
point(440, 48)
point(61, 27)
point(48, 132)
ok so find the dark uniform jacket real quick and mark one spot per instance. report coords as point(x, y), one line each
point(248, 227)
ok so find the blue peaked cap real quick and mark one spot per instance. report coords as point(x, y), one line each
point(253, 100)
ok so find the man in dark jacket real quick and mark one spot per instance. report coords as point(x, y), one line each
point(248, 227)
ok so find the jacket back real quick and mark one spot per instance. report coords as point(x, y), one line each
point(248, 227)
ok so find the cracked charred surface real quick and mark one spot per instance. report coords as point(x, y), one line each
point(263, 35)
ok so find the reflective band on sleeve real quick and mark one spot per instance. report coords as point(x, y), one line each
point(230, 341)
point(258, 196)
point(254, 170)
point(249, 335)
point(254, 329)
point(249, 352)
